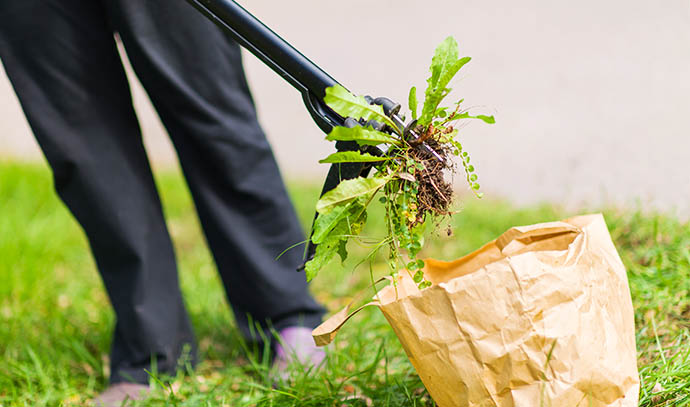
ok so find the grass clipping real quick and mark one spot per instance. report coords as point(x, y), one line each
point(410, 166)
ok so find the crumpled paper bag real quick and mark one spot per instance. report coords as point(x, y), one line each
point(541, 316)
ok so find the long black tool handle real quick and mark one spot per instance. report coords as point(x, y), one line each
point(294, 67)
point(275, 52)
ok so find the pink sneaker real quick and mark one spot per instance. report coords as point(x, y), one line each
point(117, 394)
point(296, 346)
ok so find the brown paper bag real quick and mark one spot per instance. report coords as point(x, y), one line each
point(542, 316)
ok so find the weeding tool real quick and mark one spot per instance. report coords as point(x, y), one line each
point(310, 80)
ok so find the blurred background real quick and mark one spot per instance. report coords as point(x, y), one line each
point(592, 102)
point(591, 98)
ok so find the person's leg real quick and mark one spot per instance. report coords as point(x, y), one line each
point(62, 61)
point(194, 76)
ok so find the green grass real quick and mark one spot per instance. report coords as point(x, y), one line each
point(55, 320)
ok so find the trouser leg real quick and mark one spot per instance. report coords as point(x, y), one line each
point(193, 73)
point(62, 61)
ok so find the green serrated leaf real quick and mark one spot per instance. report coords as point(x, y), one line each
point(445, 55)
point(484, 118)
point(312, 267)
point(324, 254)
point(348, 105)
point(357, 226)
point(348, 190)
point(444, 66)
point(487, 119)
point(362, 135)
point(349, 218)
point(412, 102)
point(334, 243)
point(342, 250)
point(352, 157)
point(451, 71)
point(325, 222)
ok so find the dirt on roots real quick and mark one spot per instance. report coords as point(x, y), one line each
point(435, 193)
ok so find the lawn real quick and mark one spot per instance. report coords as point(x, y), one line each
point(56, 323)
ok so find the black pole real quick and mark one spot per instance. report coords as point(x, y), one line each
point(266, 45)
point(275, 52)
point(294, 67)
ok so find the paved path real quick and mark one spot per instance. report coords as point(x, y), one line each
point(592, 98)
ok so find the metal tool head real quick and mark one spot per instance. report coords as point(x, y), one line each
point(407, 132)
point(410, 135)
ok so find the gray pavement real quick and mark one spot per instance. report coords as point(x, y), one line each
point(592, 98)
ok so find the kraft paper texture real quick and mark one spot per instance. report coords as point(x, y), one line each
point(541, 316)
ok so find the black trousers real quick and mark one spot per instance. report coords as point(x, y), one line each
point(62, 61)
